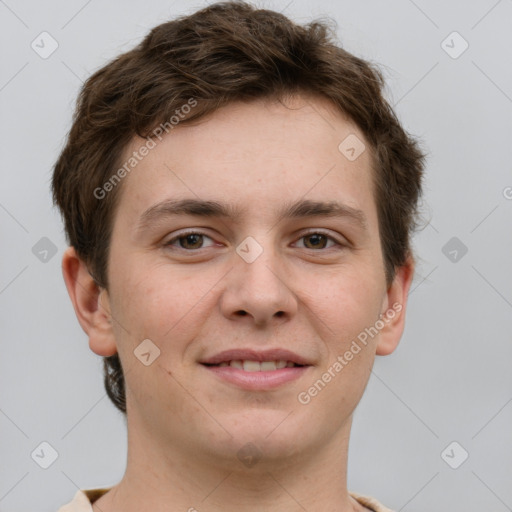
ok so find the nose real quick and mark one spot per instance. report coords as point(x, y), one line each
point(259, 291)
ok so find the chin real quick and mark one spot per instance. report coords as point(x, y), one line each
point(271, 433)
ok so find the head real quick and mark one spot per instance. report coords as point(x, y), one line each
point(237, 105)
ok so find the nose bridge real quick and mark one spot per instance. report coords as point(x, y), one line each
point(257, 285)
point(262, 272)
point(259, 264)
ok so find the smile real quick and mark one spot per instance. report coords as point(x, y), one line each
point(255, 375)
point(257, 366)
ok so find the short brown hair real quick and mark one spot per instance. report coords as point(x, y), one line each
point(226, 52)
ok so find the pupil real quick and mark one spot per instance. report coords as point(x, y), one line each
point(189, 239)
point(316, 238)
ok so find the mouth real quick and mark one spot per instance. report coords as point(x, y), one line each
point(249, 365)
point(254, 370)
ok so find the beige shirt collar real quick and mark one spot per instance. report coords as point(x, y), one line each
point(83, 499)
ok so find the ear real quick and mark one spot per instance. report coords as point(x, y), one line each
point(91, 304)
point(394, 307)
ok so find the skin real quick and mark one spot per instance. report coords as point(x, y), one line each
point(185, 425)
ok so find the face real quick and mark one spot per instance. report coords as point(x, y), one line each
point(228, 296)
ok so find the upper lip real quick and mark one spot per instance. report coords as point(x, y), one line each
point(276, 354)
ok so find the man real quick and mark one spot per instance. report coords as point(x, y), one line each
point(238, 198)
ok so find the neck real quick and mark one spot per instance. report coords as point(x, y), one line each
point(179, 479)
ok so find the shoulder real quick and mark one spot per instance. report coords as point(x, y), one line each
point(82, 500)
point(370, 503)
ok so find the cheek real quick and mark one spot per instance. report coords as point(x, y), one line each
point(158, 303)
point(352, 350)
point(351, 345)
point(346, 301)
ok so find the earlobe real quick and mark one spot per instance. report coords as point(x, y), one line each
point(90, 303)
point(393, 317)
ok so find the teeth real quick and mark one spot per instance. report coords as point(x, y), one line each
point(256, 366)
point(252, 366)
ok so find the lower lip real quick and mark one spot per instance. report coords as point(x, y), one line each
point(257, 380)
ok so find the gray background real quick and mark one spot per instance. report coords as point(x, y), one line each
point(450, 378)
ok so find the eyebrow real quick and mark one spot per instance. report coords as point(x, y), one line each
point(208, 208)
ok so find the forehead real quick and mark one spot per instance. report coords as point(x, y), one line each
point(255, 155)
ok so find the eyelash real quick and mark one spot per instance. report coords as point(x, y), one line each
point(185, 234)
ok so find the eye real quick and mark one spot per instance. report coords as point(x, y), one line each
point(194, 240)
point(190, 241)
point(318, 240)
